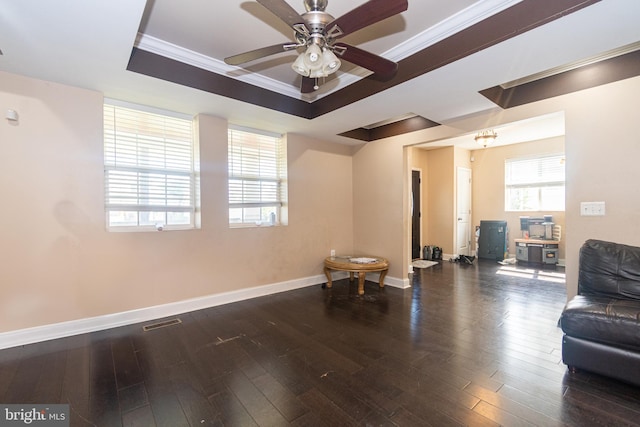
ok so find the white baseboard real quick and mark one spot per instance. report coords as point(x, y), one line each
point(98, 323)
point(390, 281)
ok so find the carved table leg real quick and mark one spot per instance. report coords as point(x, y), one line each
point(361, 276)
point(351, 276)
point(327, 272)
point(383, 274)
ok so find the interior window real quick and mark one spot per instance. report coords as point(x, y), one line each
point(150, 170)
point(257, 178)
point(535, 183)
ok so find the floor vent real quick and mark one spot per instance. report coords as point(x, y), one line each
point(161, 324)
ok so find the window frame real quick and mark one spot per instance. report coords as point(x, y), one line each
point(259, 179)
point(537, 183)
point(180, 171)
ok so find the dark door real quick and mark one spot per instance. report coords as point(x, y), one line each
point(415, 214)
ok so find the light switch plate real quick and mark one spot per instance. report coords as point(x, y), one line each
point(592, 208)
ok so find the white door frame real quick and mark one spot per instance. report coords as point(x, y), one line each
point(463, 189)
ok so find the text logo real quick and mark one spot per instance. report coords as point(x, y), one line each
point(34, 415)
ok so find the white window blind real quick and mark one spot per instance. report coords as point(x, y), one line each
point(150, 178)
point(257, 178)
point(535, 184)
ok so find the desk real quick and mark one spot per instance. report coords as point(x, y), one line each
point(356, 264)
point(537, 251)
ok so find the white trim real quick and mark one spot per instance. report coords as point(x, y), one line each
point(397, 283)
point(390, 281)
point(92, 324)
point(473, 14)
point(465, 18)
point(147, 109)
point(256, 131)
point(186, 56)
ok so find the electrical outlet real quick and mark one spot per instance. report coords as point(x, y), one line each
point(333, 252)
point(592, 208)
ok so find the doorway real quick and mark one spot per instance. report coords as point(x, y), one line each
point(463, 211)
point(415, 213)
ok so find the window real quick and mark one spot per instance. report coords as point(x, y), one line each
point(535, 184)
point(257, 178)
point(149, 168)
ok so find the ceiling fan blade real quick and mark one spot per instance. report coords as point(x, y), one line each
point(382, 67)
point(308, 85)
point(285, 12)
point(259, 53)
point(362, 16)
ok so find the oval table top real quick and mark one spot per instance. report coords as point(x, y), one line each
point(356, 263)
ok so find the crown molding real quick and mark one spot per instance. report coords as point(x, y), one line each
point(186, 56)
point(448, 27)
point(461, 20)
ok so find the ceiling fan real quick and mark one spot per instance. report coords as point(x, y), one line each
point(317, 33)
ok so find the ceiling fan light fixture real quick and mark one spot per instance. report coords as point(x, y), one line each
point(317, 74)
point(486, 137)
point(300, 67)
point(316, 31)
point(313, 57)
point(330, 62)
point(316, 62)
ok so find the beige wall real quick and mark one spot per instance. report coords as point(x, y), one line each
point(488, 186)
point(603, 148)
point(441, 196)
point(59, 263)
point(381, 204)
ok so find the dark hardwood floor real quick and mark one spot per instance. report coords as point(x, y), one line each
point(466, 345)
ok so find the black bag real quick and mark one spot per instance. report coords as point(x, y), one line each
point(467, 259)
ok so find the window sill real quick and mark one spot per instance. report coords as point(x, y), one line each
point(150, 229)
point(256, 225)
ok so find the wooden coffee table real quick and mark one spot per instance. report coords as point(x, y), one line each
point(356, 264)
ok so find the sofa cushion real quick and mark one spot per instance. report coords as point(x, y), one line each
point(609, 269)
point(602, 319)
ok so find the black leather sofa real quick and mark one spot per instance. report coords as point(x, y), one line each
point(601, 324)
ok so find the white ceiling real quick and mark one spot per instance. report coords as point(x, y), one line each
point(87, 43)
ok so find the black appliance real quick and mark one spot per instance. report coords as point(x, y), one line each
point(492, 242)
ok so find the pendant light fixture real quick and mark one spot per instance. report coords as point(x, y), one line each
point(486, 137)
